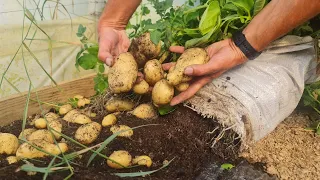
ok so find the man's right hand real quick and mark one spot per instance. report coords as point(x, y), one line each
point(112, 42)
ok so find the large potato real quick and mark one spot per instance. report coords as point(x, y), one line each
point(41, 134)
point(123, 74)
point(162, 93)
point(50, 116)
point(26, 133)
point(8, 143)
point(117, 104)
point(145, 111)
point(88, 133)
point(143, 49)
point(123, 159)
point(28, 150)
point(74, 116)
point(153, 72)
point(189, 57)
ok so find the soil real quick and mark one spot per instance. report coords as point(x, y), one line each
point(291, 151)
point(181, 135)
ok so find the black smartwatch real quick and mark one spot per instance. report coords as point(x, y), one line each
point(240, 41)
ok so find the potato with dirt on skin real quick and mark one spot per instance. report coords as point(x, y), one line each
point(88, 133)
point(127, 131)
point(153, 72)
point(182, 86)
point(117, 104)
point(109, 120)
point(12, 159)
point(142, 160)
point(64, 109)
point(141, 88)
point(162, 93)
point(40, 123)
point(143, 49)
point(41, 134)
point(123, 74)
point(26, 150)
point(74, 116)
point(189, 57)
point(8, 143)
point(50, 116)
point(145, 111)
point(26, 133)
point(123, 158)
point(57, 128)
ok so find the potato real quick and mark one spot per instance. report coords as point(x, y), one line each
point(141, 87)
point(153, 72)
point(41, 134)
point(109, 120)
point(40, 123)
point(57, 126)
point(142, 160)
point(128, 132)
point(26, 150)
point(145, 111)
point(26, 133)
point(143, 49)
point(117, 104)
point(8, 143)
point(64, 109)
point(88, 133)
point(123, 74)
point(81, 103)
point(189, 57)
point(12, 159)
point(182, 86)
point(74, 116)
point(78, 97)
point(51, 116)
point(162, 93)
point(121, 157)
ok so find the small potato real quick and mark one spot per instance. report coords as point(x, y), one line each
point(189, 57)
point(65, 109)
point(117, 104)
point(40, 123)
point(8, 143)
point(12, 159)
point(26, 150)
point(141, 87)
point(74, 116)
point(182, 86)
point(57, 126)
point(162, 93)
point(145, 111)
point(88, 133)
point(123, 74)
point(26, 133)
point(86, 101)
point(109, 120)
point(78, 97)
point(81, 103)
point(153, 72)
point(128, 132)
point(51, 116)
point(41, 134)
point(142, 160)
point(121, 157)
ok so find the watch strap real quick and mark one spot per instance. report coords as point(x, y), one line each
point(240, 41)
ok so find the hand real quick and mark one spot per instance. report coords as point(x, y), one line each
point(112, 42)
point(224, 55)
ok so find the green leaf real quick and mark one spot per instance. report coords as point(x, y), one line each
point(145, 10)
point(258, 6)
point(227, 166)
point(138, 174)
point(101, 68)
point(100, 83)
point(163, 110)
point(88, 61)
point(93, 50)
point(209, 17)
point(155, 36)
point(81, 30)
point(245, 5)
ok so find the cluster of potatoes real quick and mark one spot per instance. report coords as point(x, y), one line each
point(46, 135)
point(122, 75)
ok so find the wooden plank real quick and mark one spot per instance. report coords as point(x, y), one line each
point(12, 107)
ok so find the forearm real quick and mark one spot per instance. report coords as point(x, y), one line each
point(117, 13)
point(278, 18)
